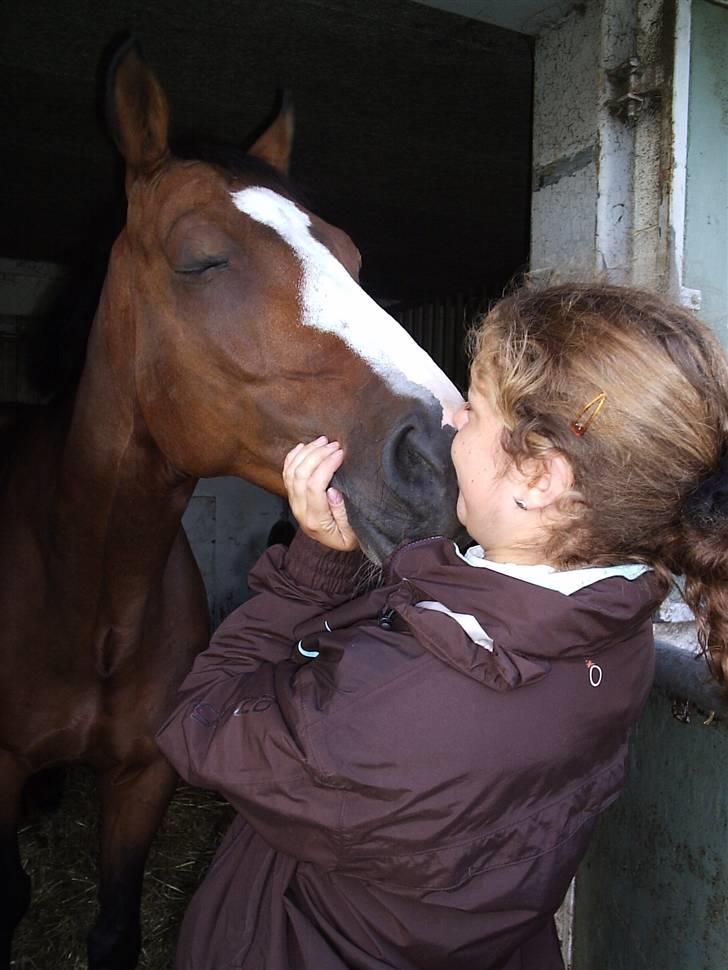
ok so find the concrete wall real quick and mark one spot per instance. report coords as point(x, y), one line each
point(598, 202)
point(564, 141)
point(652, 893)
point(609, 201)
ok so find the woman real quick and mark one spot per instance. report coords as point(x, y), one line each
point(418, 768)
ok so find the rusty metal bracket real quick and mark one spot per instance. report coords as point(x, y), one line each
point(633, 83)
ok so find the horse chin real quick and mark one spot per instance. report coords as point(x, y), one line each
point(372, 542)
point(377, 545)
point(369, 520)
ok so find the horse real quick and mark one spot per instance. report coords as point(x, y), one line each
point(230, 326)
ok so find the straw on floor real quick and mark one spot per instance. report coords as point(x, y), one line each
point(59, 852)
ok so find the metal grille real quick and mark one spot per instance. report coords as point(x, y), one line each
point(440, 328)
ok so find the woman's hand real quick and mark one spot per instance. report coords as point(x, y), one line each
point(319, 510)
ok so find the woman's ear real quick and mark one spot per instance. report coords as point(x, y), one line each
point(545, 480)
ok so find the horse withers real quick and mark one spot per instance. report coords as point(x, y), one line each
point(230, 327)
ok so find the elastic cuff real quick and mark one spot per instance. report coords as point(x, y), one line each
point(310, 564)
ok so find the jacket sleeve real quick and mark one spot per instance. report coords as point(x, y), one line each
point(240, 727)
point(291, 586)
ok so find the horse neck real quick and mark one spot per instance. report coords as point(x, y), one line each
point(119, 503)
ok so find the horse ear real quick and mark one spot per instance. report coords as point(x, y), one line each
point(137, 110)
point(274, 145)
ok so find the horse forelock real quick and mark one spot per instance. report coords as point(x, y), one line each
point(332, 301)
point(236, 164)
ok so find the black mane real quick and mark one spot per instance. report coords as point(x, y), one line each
point(235, 163)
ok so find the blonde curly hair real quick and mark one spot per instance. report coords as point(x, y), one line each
point(660, 436)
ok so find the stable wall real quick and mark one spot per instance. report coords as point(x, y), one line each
point(599, 199)
point(609, 202)
point(652, 893)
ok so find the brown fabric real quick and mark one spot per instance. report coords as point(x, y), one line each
point(407, 799)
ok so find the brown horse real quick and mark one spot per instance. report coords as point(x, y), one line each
point(230, 327)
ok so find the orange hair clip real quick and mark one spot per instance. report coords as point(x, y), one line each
point(590, 411)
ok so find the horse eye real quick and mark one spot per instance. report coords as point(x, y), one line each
point(199, 269)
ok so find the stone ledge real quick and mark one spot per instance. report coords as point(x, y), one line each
point(682, 672)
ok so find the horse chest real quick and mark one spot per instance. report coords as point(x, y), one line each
point(47, 724)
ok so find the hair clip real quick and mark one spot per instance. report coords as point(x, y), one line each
point(580, 425)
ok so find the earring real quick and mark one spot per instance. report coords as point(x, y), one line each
point(520, 503)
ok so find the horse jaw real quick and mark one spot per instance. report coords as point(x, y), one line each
point(332, 301)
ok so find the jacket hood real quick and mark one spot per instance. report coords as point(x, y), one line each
point(529, 626)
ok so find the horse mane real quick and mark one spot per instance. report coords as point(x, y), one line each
point(235, 163)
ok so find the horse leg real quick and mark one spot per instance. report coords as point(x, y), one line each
point(132, 808)
point(14, 881)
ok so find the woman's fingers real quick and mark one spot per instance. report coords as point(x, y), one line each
point(307, 484)
point(302, 469)
point(337, 507)
point(301, 453)
point(302, 449)
point(291, 455)
point(316, 474)
point(307, 473)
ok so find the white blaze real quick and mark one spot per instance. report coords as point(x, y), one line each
point(332, 301)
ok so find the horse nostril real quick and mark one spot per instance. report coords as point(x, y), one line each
point(418, 455)
point(412, 459)
point(414, 494)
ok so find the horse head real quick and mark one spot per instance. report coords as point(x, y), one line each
point(249, 331)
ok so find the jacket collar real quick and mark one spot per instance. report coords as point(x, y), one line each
point(526, 625)
point(566, 581)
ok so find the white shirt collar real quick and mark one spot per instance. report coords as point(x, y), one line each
point(566, 581)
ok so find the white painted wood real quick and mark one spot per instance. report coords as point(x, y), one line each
point(565, 925)
point(676, 214)
point(705, 130)
point(615, 146)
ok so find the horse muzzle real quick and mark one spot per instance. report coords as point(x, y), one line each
point(411, 493)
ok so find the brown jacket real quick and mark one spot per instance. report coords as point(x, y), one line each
point(407, 798)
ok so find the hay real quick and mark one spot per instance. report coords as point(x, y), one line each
point(59, 852)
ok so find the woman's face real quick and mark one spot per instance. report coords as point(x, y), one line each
point(487, 479)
